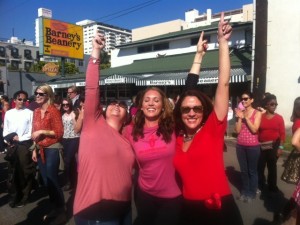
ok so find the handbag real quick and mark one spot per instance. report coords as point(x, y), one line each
point(266, 145)
point(11, 154)
point(291, 172)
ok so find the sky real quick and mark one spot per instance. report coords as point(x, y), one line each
point(17, 17)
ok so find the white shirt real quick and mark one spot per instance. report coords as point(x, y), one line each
point(18, 121)
point(74, 99)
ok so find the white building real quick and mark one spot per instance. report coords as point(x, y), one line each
point(42, 12)
point(179, 44)
point(283, 54)
point(114, 35)
point(192, 20)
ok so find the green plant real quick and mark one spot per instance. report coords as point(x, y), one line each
point(287, 145)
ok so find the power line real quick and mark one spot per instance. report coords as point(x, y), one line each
point(11, 9)
point(133, 10)
point(139, 6)
point(114, 15)
point(126, 12)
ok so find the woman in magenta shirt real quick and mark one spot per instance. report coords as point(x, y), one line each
point(157, 194)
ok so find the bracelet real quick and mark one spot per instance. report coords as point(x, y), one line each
point(281, 147)
point(95, 60)
point(197, 63)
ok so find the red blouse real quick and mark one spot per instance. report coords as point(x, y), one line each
point(296, 125)
point(201, 168)
point(51, 121)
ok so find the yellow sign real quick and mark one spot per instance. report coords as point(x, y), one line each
point(51, 69)
point(61, 39)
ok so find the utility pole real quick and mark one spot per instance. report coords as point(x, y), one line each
point(260, 59)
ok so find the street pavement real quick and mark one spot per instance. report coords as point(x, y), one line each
point(260, 211)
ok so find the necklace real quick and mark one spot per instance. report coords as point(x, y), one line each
point(187, 138)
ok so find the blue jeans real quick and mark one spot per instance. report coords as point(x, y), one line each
point(125, 221)
point(248, 159)
point(49, 171)
point(71, 146)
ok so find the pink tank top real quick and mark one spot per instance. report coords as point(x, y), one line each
point(246, 137)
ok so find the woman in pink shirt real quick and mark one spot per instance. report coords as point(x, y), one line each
point(157, 195)
point(105, 157)
point(248, 146)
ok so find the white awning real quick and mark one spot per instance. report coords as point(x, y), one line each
point(238, 75)
point(164, 79)
point(120, 79)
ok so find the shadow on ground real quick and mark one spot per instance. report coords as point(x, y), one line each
point(234, 177)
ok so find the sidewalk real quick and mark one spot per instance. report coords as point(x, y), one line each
point(33, 212)
point(259, 212)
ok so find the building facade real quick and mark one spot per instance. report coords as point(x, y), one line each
point(283, 54)
point(114, 35)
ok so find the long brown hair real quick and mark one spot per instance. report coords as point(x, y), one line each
point(165, 123)
point(296, 110)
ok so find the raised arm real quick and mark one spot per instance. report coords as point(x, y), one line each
point(92, 98)
point(79, 123)
point(222, 92)
point(193, 76)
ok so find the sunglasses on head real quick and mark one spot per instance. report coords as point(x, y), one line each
point(22, 99)
point(245, 99)
point(196, 109)
point(118, 103)
point(39, 94)
point(273, 104)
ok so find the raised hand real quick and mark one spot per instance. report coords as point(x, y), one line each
point(99, 41)
point(224, 29)
point(202, 45)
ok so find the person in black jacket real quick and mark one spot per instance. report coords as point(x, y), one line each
point(73, 94)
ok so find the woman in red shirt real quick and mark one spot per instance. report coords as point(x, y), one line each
point(271, 136)
point(201, 127)
point(47, 132)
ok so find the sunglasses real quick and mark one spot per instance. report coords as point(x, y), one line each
point(196, 109)
point(245, 99)
point(22, 99)
point(120, 104)
point(39, 94)
point(65, 104)
point(273, 104)
point(70, 92)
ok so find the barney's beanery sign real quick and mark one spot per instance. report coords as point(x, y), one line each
point(61, 39)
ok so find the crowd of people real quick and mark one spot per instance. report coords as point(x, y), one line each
point(171, 154)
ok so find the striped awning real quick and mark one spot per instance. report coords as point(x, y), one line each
point(238, 75)
point(164, 79)
point(120, 79)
